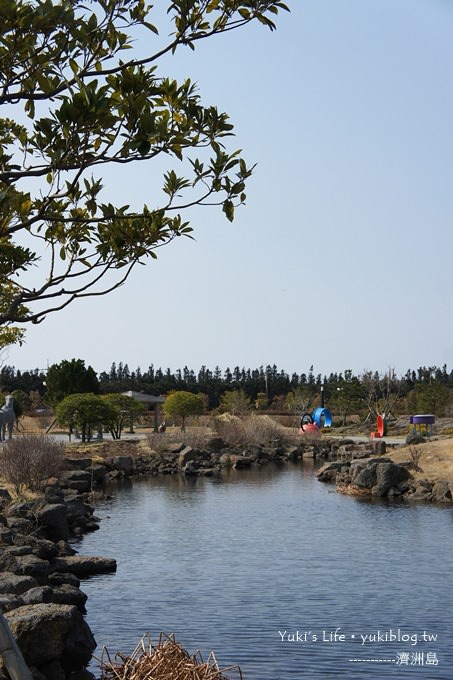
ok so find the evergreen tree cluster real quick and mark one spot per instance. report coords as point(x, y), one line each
point(267, 385)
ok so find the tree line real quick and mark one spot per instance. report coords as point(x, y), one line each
point(427, 389)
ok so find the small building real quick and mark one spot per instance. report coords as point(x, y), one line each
point(151, 403)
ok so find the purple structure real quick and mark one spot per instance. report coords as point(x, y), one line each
point(423, 423)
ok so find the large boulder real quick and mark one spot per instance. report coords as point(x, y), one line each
point(41, 547)
point(388, 476)
point(441, 492)
point(78, 480)
point(38, 595)
point(25, 565)
point(329, 471)
point(124, 464)
point(50, 632)
point(79, 512)
point(15, 583)
point(83, 565)
point(53, 519)
point(69, 594)
point(375, 477)
point(364, 476)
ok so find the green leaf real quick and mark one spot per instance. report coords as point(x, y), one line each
point(74, 66)
point(245, 13)
point(228, 209)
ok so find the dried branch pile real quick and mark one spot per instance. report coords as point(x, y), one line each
point(165, 661)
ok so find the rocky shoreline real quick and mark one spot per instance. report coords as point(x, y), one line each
point(344, 459)
point(380, 477)
point(40, 574)
point(40, 570)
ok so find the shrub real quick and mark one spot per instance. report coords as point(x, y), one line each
point(235, 402)
point(231, 429)
point(260, 430)
point(30, 460)
point(415, 455)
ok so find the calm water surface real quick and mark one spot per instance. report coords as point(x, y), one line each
point(269, 569)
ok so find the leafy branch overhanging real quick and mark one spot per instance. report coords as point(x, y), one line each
point(75, 102)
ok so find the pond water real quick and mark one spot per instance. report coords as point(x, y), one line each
point(277, 573)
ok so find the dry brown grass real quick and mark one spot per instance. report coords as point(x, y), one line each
point(436, 458)
point(252, 429)
point(196, 437)
point(35, 424)
point(166, 660)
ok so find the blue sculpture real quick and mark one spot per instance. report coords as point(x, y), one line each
point(322, 417)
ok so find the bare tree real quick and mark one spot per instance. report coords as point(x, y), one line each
point(382, 392)
point(298, 402)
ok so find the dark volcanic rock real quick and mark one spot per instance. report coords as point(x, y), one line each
point(365, 476)
point(68, 594)
point(46, 632)
point(38, 595)
point(83, 566)
point(328, 472)
point(125, 464)
point(388, 476)
point(52, 517)
point(59, 579)
point(9, 601)
point(78, 480)
point(26, 565)
point(15, 583)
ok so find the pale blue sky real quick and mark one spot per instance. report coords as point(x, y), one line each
point(341, 258)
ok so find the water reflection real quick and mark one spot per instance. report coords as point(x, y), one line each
point(226, 562)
